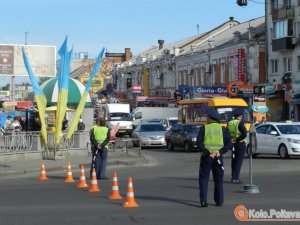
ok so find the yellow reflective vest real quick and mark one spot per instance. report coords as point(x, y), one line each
point(100, 134)
point(213, 137)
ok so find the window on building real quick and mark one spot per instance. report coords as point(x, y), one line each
point(298, 63)
point(283, 28)
point(214, 71)
point(287, 64)
point(231, 76)
point(197, 75)
point(202, 74)
point(274, 66)
point(222, 74)
point(274, 4)
point(288, 4)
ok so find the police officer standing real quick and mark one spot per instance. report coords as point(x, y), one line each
point(238, 134)
point(213, 141)
point(99, 136)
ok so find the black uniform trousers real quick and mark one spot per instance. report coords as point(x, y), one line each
point(208, 164)
point(237, 161)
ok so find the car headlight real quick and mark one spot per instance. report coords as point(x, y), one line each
point(295, 141)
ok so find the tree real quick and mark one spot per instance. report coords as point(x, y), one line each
point(6, 87)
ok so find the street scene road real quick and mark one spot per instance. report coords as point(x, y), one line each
point(165, 188)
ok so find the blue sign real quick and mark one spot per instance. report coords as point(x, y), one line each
point(270, 89)
point(259, 108)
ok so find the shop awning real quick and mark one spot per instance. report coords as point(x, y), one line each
point(22, 105)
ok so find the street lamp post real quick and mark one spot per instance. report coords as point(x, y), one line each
point(26, 34)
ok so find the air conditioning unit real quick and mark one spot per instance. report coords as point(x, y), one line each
point(294, 41)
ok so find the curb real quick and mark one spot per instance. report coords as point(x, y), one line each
point(115, 162)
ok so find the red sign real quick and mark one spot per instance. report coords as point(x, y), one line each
point(241, 64)
point(137, 88)
point(147, 98)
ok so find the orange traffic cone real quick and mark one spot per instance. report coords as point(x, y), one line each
point(43, 175)
point(115, 188)
point(94, 184)
point(69, 178)
point(82, 183)
point(130, 201)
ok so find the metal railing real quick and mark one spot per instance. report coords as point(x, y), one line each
point(27, 142)
point(15, 142)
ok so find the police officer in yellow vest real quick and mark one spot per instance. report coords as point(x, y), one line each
point(238, 134)
point(99, 136)
point(213, 141)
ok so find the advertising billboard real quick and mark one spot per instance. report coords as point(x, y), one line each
point(42, 59)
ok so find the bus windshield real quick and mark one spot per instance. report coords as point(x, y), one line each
point(226, 113)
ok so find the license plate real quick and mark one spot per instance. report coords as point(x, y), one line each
point(155, 142)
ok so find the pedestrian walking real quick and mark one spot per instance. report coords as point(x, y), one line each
point(99, 137)
point(238, 134)
point(213, 141)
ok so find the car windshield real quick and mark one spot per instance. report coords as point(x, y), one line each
point(119, 116)
point(152, 127)
point(192, 129)
point(289, 129)
point(172, 122)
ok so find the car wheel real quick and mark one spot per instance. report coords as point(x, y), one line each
point(170, 146)
point(187, 147)
point(283, 153)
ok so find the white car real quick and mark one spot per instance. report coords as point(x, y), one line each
point(278, 138)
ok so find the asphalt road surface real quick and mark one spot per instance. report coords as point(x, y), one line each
point(166, 191)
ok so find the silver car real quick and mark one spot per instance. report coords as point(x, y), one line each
point(150, 134)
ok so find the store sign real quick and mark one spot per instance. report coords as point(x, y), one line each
point(260, 108)
point(136, 89)
point(238, 88)
point(270, 89)
point(4, 98)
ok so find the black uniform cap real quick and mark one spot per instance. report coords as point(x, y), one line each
point(213, 114)
point(238, 112)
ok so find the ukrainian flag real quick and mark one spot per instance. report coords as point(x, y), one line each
point(39, 97)
point(63, 84)
point(82, 102)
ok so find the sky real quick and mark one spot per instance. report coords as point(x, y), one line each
point(115, 24)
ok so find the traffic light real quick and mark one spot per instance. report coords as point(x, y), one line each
point(129, 83)
point(258, 90)
point(242, 2)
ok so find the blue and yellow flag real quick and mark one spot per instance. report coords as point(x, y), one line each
point(63, 86)
point(40, 97)
point(82, 102)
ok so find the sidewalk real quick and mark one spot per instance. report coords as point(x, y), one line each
point(115, 158)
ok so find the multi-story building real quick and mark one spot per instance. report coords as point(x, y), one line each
point(283, 32)
point(199, 65)
point(81, 68)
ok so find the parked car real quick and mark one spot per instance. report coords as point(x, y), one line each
point(278, 138)
point(182, 135)
point(150, 134)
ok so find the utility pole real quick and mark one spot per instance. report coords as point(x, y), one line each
point(198, 28)
point(26, 33)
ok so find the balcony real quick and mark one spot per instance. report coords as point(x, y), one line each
point(282, 44)
point(283, 13)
